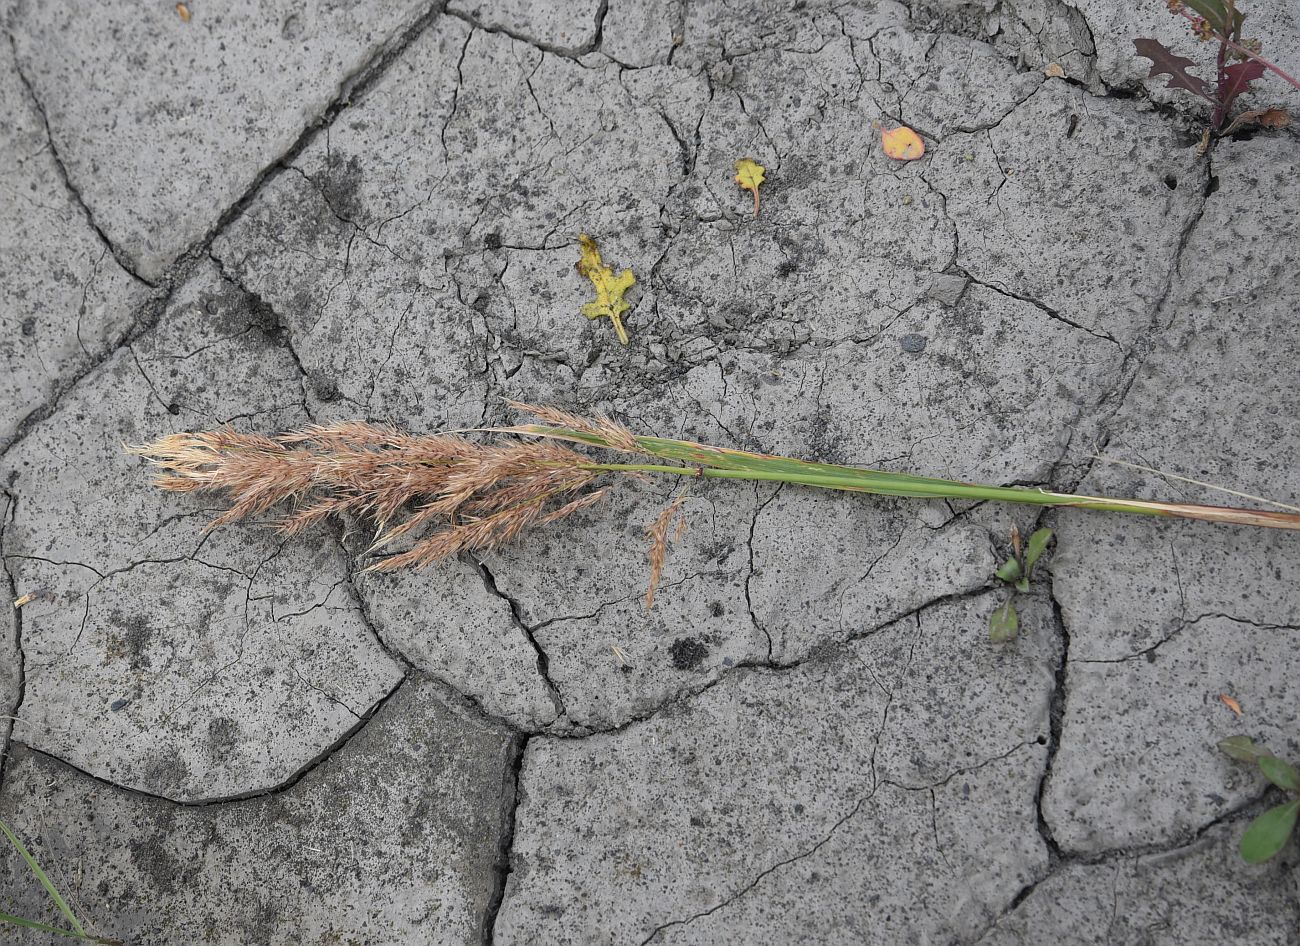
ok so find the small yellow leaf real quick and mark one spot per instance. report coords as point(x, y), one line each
point(610, 289)
point(1231, 703)
point(183, 12)
point(25, 599)
point(749, 175)
point(902, 144)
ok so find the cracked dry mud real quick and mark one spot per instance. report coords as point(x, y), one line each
point(279, 213)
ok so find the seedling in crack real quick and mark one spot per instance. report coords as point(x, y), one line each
point(1268, 834)
point(1237, 63)
point(1004, 623)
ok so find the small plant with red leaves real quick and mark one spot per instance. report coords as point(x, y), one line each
point(1237, 64)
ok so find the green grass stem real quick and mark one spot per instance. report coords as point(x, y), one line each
point(707, 462)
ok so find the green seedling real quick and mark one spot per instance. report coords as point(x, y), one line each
point(1268, 834)
point(1004, 623)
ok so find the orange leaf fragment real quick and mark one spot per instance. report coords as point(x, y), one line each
point(902, 144)
point(1261, 117)
point(183, 12)
point(1275, 118)
point(1231, 703)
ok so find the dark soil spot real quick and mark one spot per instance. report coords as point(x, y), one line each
point(688, 652)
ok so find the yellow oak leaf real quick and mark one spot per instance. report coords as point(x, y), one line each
point(610, 289)
point(902, 144)
point(749, 175)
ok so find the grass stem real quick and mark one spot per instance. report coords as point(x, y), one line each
point(446, 493)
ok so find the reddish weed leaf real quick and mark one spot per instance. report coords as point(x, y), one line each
point(1164, 62)
point(1239, 77)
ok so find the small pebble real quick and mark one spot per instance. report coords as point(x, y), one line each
point(912, 343)
point(118, 705)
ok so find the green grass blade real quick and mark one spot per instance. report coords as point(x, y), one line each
point(710, 462)
point(44, 880)
point(45, 928)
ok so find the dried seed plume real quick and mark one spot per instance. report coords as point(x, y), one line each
point(608, 432)
point(657, 533)
point(432, 496)
point(447, 493)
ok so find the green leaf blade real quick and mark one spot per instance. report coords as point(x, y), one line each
point(1036, 547)
point(44, 927)
point(1216, 13)
point(1280, 773)
point(1004, 623)
point(1268, 833)
point(1009, 570)
point(45, 881)
point(1242, 748)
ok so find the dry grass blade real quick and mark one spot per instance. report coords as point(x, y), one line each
point(1115, 461)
